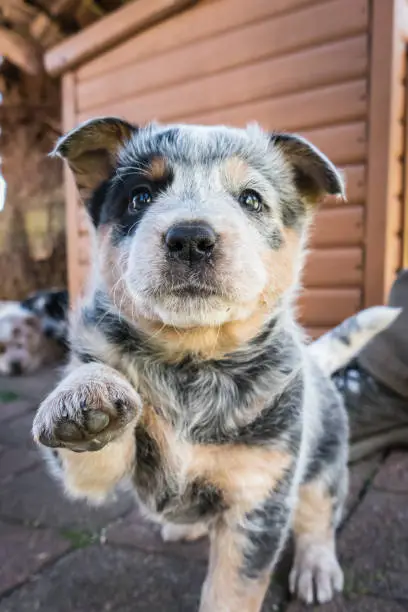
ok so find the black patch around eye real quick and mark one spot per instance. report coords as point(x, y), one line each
point(96, 202)
point(110, 201)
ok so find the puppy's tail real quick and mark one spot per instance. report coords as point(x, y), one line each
point(337, 347)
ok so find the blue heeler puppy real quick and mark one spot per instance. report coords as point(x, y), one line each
point(189, 375)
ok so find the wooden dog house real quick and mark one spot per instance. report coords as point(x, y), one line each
point(332, 70)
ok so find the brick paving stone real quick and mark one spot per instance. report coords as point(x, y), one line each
point(33, 387)
point(35, 498)
point(373, 546)
point(15, 460)
point(393, 475)
point(360, 474)
point(104, 579)
point(100, 579)
point(352, 604)
point(24, 551)
point(135, 531)
point(17, 432)
point(11, 410)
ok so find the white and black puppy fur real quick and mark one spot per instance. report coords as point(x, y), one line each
point(51, 306)
point(23, 346)
point(189, 374)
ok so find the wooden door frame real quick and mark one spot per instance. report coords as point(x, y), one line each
point(404, 236)
point(389, 33)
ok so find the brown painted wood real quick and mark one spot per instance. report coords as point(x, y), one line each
point(192, 25)
point(342, 226)
point(83, 276)
point(355, 178)
point(83, 220)
point(334, 268)
point(71, 197)
point(343, 144)
point(404, 171)
point(324, 65)
point(299, 111)
point(84, 249)
point(315, 332)
point(105, 33)
point(269, 38)
point(387, 61)
point(327, 307)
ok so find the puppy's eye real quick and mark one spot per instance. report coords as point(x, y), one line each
point(2, 349)
point(251, 200)
point(142, 196)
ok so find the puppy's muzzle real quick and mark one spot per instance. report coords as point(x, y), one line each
point(190, 243)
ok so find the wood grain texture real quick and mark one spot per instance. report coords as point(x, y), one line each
point(341, 226)
point(320, 66)
point(328, 307)
point(312, 26)
point(343, 144)
point(299, 111)
point(71, 195)
point(332, 267)
point(386, 137)
point(112, 29)
point(315, 332)
point(202, 21)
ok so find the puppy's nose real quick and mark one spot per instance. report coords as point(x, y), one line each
point(16, 368)
point(190, 242)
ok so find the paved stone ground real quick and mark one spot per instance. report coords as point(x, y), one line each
point(57, 556)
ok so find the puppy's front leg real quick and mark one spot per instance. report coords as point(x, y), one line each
point(244, 549)
point(93, 409)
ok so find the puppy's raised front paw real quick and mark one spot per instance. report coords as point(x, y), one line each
point(89, 408)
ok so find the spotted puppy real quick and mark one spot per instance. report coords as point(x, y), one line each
point(51, 307)
point(23, 346)
point(189, 375)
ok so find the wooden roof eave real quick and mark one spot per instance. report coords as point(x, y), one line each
point(105, 33)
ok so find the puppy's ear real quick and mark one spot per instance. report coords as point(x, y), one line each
point(91, 150)
point(314, 175)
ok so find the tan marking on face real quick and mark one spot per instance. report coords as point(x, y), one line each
point(157, 169)
point(214, 342)
point(95, 474)
point(234, 173)
point(282, 266)
point(314, 512)
point(208, 342)
point(225, 588)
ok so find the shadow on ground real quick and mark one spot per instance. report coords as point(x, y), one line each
point(59, 556)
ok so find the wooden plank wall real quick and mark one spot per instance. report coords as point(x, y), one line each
point(298, 65)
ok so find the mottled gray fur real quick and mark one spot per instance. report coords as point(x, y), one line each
point(233, 429)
